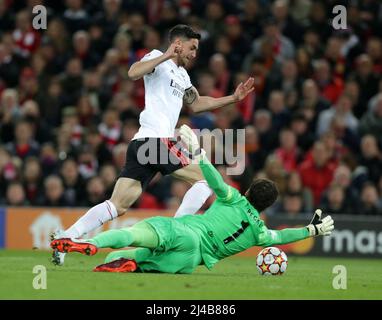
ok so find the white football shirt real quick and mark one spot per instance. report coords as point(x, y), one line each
point(164, 90)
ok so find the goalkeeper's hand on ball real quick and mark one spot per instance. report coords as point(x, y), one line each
point(320, 226)
point(190, 139)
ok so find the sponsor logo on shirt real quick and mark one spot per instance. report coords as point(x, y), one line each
point(178, 90)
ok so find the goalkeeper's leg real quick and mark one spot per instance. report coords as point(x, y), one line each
point(137, 254)
point(139, 235)
point(124, 260)
point(179, 251)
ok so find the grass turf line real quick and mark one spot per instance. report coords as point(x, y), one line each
point(232, 278)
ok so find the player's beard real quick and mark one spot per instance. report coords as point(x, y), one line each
point(182, 61)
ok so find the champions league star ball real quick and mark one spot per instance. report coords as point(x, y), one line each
point(271, 261)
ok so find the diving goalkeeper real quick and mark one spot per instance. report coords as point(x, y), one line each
point(178, 245)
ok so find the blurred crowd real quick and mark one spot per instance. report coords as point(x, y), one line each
point(314, 123)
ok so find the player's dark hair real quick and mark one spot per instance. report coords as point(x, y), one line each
point(184, 31)
point(262, 194)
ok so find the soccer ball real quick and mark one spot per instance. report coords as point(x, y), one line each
point(271, 261)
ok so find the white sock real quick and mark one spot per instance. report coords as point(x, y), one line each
point(194, 199)
point(94, 218)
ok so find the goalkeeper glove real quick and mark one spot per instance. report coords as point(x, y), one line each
point(320, 227)
point(191, 140)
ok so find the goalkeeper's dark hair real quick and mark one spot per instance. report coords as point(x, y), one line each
point(262, 194)
point(183, 31)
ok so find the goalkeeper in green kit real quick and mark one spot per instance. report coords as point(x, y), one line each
point(178, 245)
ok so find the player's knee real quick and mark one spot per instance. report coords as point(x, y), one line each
point(198, 175)
point(195, 176)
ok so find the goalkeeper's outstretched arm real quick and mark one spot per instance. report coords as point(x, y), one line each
point(317, 227)
point(213, 177)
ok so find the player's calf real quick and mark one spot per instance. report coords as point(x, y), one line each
point(121, 199)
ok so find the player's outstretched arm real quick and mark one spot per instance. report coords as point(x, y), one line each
point(212, 176)
point(140, 68)
point(204, 103)
point(317, 227)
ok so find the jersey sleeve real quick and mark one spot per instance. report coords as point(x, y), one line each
point(268, 237)
point(223, 191)
point(188, 81)
point(152, 55)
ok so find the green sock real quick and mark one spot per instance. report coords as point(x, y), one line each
point(113, 239)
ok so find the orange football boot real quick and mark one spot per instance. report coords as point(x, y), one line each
point(120, 265)
point(74, 245)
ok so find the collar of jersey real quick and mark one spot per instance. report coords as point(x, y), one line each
point(172, 61)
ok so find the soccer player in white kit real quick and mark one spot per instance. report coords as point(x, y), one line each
point(167, 88)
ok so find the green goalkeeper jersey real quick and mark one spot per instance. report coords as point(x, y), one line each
point(232, 224)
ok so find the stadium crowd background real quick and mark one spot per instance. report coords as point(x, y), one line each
point(313, 125)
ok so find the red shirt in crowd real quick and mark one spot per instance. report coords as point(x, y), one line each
point(315, 178)
point(288, 158)
point(148, 201)
point(26, 42)
point(333, 90)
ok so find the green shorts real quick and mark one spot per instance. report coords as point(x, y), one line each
point(178, 250)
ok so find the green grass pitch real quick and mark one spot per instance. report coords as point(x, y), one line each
point(233, 278)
